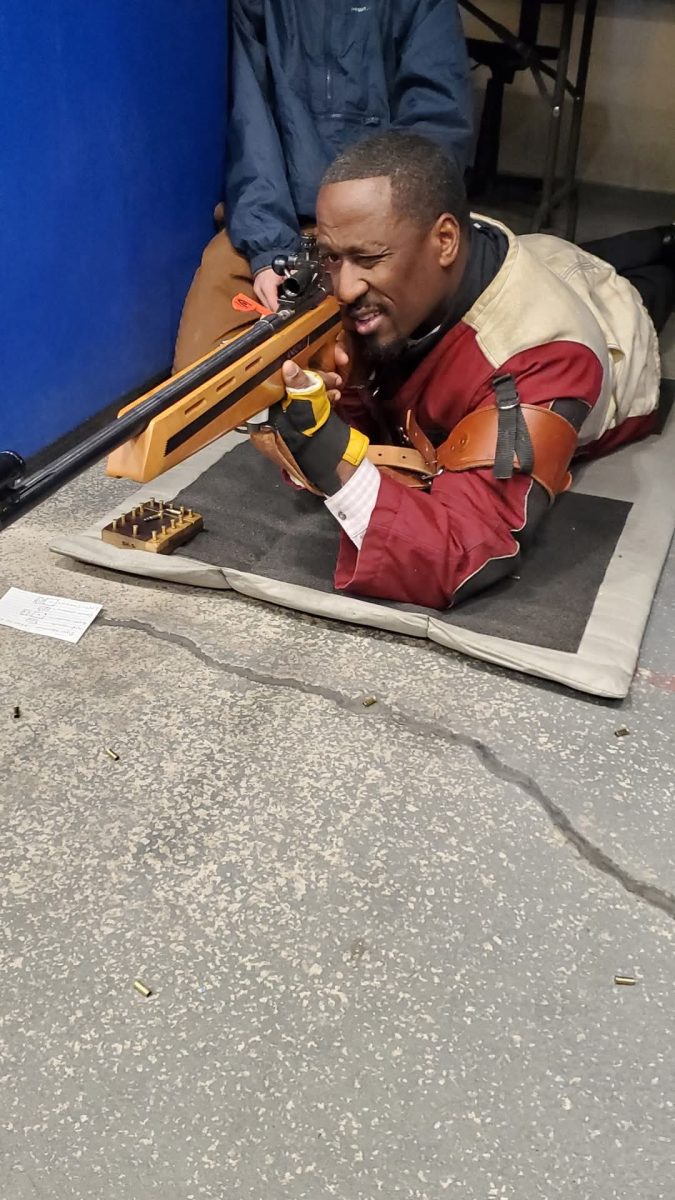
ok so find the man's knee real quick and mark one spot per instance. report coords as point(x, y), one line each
point(221, 259)
point(208, 315)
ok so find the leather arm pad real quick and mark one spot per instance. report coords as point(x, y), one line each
point(473, 443)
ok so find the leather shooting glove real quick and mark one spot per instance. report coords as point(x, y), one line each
point(316, 437)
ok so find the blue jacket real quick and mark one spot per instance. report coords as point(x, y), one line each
point(310, 76)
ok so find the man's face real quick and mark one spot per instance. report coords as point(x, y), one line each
point(390, 275)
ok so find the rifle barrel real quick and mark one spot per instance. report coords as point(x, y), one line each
point(19, 496)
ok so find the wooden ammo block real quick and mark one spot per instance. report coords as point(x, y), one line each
point(156, 525)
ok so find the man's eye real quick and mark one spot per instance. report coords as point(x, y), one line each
point(330, 260)
point(369, 260)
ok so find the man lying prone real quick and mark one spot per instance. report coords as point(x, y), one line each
point(484, 360)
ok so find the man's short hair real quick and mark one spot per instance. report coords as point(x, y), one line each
point(425, 180)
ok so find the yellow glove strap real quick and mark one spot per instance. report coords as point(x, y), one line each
point(357, 447)
point(318, 398)
point(358, 443)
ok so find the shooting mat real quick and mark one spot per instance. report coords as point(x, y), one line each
point(574, 613)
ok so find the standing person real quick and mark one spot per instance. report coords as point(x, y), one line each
point(308, 78)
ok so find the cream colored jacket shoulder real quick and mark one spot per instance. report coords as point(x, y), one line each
point(550, 290)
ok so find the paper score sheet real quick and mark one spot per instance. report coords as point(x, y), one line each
point(51, 616)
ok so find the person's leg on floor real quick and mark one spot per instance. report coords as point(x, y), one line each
point(645, 258)
point(656, 285)
point(208, 315)
point(637, 248)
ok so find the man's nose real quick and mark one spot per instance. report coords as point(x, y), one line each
point(348, 285)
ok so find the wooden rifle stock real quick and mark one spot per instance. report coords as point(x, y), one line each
point(225, 389)
point(228, 397)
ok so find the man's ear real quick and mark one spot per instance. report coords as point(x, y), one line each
point(448, 236)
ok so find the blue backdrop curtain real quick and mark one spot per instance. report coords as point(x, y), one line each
point(112, 141)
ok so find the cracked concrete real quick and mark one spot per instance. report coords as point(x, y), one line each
point(437, 732)
point(381, 940)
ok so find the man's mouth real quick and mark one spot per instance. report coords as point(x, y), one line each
point(366, 320)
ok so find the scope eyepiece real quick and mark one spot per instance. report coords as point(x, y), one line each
point(296, 284)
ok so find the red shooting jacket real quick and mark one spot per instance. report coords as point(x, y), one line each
point(565, 326)
point(420, 547)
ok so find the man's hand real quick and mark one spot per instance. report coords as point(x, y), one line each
point(342, 358)
point(348, 362)
point(324, 447)
point(307, 414)
point(339, 366)
point(266, 286)
point(331, 379)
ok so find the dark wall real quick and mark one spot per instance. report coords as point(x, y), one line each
point(112, 124)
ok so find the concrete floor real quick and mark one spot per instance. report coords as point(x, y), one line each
point(382, 940)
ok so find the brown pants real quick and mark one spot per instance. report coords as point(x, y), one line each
point(208, 315)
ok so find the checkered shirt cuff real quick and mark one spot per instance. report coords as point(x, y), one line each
point(353, 505)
